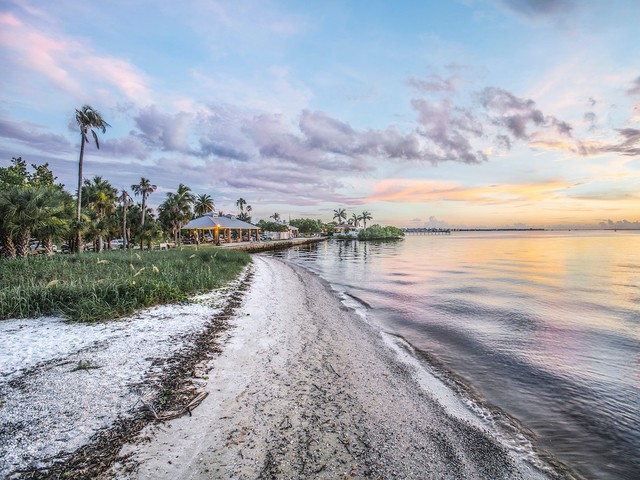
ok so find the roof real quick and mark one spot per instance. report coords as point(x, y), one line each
point(209, 222)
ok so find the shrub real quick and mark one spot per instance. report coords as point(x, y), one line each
point(376, 232)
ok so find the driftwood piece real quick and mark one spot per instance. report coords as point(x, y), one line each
point(186, 409)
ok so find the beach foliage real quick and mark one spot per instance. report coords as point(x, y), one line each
point(266, 226)
point(307, 226)
point(92, 288)
point(377, 232)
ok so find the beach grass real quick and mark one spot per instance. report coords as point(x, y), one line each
point(92, 287)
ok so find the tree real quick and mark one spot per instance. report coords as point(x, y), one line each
point(203, 204)
point(100, 197)
point(306, 225)
point(125, 201)
point(88, 119)
point(143, 188)
point(271, 226)
point(340, 215)
point(245, 213)
point(23, 210)
point(364, 217)
point(55, 219)
point(16, 177)
point(175, 211)
point(275, 216)
point(354, 220)
point(17, 174)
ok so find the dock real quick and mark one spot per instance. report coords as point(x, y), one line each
point(253, 247)
point(427, 231)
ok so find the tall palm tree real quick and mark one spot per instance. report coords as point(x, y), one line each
point(240, 203)
point(340, 214)
point(203, 204)
point(88, 119)
point(354, 220)
point(275, 216)
point(364, 217)
point(125, 201)
point(144, 188)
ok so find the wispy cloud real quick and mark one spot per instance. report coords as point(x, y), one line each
point(419, 191)
point(33, 136)
point(540, 8)
point(68, 63)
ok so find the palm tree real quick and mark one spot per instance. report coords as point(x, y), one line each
point(175, 211)
point(88, 119)
point(23, 210)
point(275, 216)
point(101, 197)
point(144, 188)
point(364, 217)
point(240, 203)
point(125, 201)
point(56, 218)
point(354, 220)
point(340, 214)
point(203, 204)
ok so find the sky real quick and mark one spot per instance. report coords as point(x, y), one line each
point(461, 113)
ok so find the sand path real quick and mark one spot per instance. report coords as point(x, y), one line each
point(305, 388)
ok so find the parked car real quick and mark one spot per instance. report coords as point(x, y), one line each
point(117, 244)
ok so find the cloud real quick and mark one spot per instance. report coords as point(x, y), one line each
point(635, 90)
point(66, 62)
point(435, 223)
point(165, 131)
point(434, 83)
point(421, 191)
point(34, 136)
point(130, 146)
point(621, 224)
point(540, 8)
point(449, 130)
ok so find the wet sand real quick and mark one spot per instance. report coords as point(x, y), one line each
point(305, 388)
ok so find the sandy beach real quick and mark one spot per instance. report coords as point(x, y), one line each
point(306, 388)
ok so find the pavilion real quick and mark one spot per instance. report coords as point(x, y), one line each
point(221, 227)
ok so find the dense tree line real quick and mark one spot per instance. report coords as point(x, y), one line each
point(34, 208)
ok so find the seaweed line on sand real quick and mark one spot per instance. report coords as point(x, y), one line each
point(173, 390)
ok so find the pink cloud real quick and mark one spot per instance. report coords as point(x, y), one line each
point(70, 64)
point(9, 20)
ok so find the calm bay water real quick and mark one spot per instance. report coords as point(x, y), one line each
point(544, 325)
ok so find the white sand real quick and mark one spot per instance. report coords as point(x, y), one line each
point(48, 406)
point(305, 388)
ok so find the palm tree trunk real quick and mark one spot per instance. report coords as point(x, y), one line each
point(9, 246)
point(78, 246)
point(144, 207)
point(22, 247)
point(124, 227)
point(47, 245)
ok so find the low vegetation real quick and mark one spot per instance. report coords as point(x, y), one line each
point(376, 232)
point(113, 284)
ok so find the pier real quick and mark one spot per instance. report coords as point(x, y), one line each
point(252, 247)
point(427, 231)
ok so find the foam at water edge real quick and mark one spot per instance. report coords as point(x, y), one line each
point(461, 404)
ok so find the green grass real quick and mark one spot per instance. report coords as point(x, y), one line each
point(91, 287)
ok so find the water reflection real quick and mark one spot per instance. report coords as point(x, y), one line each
point(545, 325)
